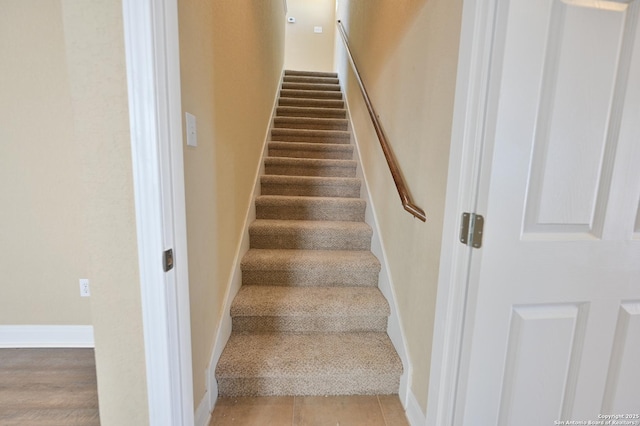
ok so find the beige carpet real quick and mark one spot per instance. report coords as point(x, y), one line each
point(309, 318)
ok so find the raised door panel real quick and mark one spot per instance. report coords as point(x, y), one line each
point(575, 136)
point(622, 394)
point(544, 349)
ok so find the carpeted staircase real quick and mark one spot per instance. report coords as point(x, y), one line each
point(309, 318)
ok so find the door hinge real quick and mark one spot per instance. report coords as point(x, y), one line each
point(471, 228)
point(167, 260)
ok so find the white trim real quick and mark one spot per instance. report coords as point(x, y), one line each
point(181, 347)
point(46, 336)
point(471, 100)
point(385, 282)
point(413, 411)
point(203, 413)
point(235, 282)
point(151, 46)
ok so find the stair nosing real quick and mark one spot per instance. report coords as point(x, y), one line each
point(312, 146)
point(310, 162)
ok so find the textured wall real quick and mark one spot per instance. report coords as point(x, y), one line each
point(304, 49)
point(97, 74)
point(231, 55)
point(65, 160)
point(407, 53)
point(42, 249)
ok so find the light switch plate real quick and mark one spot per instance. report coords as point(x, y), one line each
point(192, 134)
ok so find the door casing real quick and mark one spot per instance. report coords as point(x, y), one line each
point(473, 102)
point(153, 76)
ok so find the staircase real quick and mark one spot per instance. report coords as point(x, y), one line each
point(309, 318)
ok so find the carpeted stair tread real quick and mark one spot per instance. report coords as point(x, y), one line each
point(311, 123)
point(309, 318)
point(305, 135)
point(308, 364)
point(309, 167)
point(310, 79)
point(309, 235)
point(310, 186)
point(268, 309)
point(310, 94)
point(294, 111)
point(310, 73)
point(311, 301)
point(310, 268)
point(327, 151)
point(309, 324)
point(288, 207)
point(311, 86)
point(313, 103)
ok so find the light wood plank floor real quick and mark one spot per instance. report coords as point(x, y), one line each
point(374, 410)
point(47, 387)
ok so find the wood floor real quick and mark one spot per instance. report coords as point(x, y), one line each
point(57, 387)
point(47, 387)
point(374, 410)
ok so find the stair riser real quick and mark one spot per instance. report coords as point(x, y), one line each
point(310, 94)
point(277, 135)
point(315, 211)
point(311, 112)
point(304, 170)
point(285, 123)
point(311, 190)
point(311, 103)
point(295, 73)
point(263, 324)
point(313, 80)
point(281, 150)
point(312, 277)
point(311, 86)
point(310, 239)
point(375, 384)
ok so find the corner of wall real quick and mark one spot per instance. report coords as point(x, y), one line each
point(414, 413)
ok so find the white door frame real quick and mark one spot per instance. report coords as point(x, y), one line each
point(469, 151)
point(155, 113)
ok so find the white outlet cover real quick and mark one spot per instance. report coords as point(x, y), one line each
point(192, 134)
point(85, 291)
point(317, 30)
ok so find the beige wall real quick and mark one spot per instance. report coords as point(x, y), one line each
point(231, 55)
point(67, 180)
point(407, 52)
point(42, 249)
point(304, 49)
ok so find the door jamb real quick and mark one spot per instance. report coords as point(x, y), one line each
point(472, 104)
point(155, 112)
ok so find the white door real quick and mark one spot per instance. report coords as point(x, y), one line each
point(553, 318)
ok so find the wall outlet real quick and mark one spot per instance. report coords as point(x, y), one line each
point(84, 288)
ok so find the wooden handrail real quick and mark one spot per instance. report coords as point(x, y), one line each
point(401, 186)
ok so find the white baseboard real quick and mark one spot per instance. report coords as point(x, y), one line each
point(46, 336)
point(202, 414)
point(414, 413)
point(385, 282)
